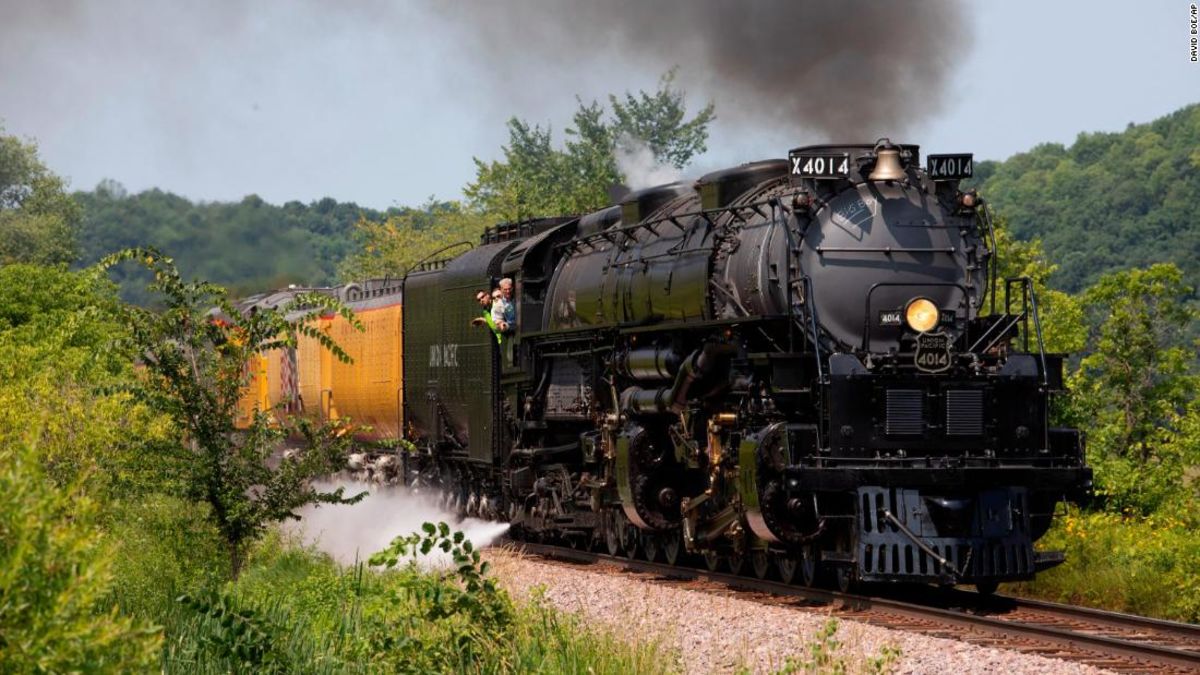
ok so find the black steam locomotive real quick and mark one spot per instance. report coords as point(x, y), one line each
point(805, 367)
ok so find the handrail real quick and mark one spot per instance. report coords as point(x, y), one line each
point(787, 269)
point(811, 311)
point(437, 252)
point(1028, 295)
point(1037, 325)
point(648, 224)
point(994, 261)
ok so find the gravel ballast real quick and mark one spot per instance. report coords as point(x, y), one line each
point(715, 632)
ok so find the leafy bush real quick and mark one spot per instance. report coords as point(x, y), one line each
point(454, 618)
point(55, 573)
point(193, 372)
point(1147, 565)
point(162, 547)
point(402, 619)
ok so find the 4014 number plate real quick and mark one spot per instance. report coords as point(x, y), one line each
point(933, 352)
point(950, 167)
point(822, 165)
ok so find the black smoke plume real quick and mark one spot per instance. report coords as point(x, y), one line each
point(842, 70)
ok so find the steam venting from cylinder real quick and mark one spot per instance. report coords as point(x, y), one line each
point(844, 70)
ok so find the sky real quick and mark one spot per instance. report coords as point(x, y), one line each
point(387, 104)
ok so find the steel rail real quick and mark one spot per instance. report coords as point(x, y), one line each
point(1081, 645)
point(1184, 631)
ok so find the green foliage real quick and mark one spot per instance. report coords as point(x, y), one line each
point(222, 634)
point(316, 625)
point(536, 179)
point(658, 121)
point(45, 295)
point(1109, 201)
point(1063, 328)
point(1135, 390)
point(193, 372)
point(56, 331)
point(1148, 565)
point(38, 219)
point(340, 620)
point(1135, 395)
point(162, 546)
point(55, 572)
point(247, 246)
point(458, 618)
point(396, 244)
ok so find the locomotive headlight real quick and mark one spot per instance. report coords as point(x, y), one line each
point(921, 315)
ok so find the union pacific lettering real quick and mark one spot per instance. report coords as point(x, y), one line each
point(443, 355)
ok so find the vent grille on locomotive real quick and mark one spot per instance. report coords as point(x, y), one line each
point(905, 412)
point(964, 412)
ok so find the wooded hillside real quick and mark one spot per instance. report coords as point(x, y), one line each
point(1109, 201)
point(248, 246)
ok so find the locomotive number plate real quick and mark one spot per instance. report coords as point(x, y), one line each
point(950, 167)
point(933, 352)
point(820, 165)
point(891, 317)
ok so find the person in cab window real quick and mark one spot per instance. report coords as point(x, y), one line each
point(485, 303)
point(504, 312)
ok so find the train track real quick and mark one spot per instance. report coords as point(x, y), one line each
point(1120, 642)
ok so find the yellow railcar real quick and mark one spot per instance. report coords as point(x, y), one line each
point(308, 380)
point(314, 375)
point(255, 395)
point(369, 390)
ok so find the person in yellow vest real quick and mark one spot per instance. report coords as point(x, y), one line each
point(485, 302)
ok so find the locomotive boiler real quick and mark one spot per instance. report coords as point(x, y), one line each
point(805, 367)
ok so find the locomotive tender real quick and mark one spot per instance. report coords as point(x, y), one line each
point(806, 366)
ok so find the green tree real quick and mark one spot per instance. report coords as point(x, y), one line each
point(534, 178)
point(659, 120)
point(1109, 201)
point(1136, 388)
point(247, 246)
point(38, 219)
point(65, 451)
point(1063, 327)
point(393, 245)
point(193, 371)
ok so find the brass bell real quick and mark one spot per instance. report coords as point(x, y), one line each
point(887, 162)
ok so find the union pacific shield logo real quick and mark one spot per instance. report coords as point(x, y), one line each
point(933, 352)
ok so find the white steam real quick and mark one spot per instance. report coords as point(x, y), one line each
point(352, 532)
point(639, 166)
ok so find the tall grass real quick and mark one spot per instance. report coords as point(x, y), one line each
point(295, 610)
point(1148, 565)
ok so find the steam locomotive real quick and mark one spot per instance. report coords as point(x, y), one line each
point(806, 368)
